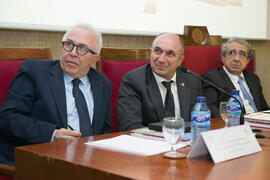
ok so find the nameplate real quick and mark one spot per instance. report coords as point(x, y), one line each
point(226, 143)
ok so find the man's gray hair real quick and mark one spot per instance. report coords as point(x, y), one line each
point(182, 43)
point(90, 28)
point(224, 47)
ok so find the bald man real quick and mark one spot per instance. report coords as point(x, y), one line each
point(142, 93)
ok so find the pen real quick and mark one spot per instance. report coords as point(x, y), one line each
point(256, 130)
point(261, 136)
point(70, 128)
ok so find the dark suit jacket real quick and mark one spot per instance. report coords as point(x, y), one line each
point(36, 106)
point(222, 80)
point(140, 101)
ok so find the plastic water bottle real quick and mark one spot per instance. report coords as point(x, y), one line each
point(234, 109)
point(200, 119)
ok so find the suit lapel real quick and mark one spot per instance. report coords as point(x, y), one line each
point(95, 87)
point(227, 81)
point(154, 93)
point(183, 94)
point(58, 88)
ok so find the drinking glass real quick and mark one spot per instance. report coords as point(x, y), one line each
point(173, 130)
point(223, 112)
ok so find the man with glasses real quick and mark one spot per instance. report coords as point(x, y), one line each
point(235, 55)
point(57, 100)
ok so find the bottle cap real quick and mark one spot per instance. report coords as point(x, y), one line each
point(201, 99)
point(235, 92)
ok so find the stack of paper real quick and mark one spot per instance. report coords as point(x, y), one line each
point(135, 145)
point(258, 119)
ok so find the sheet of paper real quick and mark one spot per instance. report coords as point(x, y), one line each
point(135, 145)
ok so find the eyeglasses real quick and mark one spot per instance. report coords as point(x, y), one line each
point(81, 48)
point(241, 53)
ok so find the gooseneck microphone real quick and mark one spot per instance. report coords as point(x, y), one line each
point(184, 69)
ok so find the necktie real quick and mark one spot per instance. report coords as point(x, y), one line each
point(85, 125)
point(246, 94)
point(169, 101)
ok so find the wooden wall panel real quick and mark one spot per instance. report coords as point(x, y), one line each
point(17, 38)
point(127, 41)
point(262, 64)
point(20, 38)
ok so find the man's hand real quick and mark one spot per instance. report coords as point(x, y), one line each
point(65, 134)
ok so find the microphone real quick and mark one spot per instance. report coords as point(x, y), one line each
point(184, 69)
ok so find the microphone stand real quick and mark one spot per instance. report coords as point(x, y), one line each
point(218, 88)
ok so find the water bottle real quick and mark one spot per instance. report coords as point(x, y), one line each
point(200, 119)
point(234, 109)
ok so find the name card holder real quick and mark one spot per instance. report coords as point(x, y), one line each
point(226, 143)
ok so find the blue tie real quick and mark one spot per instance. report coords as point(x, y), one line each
point(85, 125)
point(246, 94)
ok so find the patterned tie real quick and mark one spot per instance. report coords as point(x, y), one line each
point(85, 125)
point(246, 94)
point(169, 101)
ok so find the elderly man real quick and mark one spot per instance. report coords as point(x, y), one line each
point(158, 89)
point(235, 55)
point(56, 100)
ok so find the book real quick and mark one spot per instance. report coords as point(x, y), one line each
point(148, 134)
point(157, 126)
point(259, 117)
point(258, 124)
point(155, 135)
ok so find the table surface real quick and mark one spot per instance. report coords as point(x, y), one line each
point(76, 160)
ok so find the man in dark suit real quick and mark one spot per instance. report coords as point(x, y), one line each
point(41, 105)
point(142, 93)
point(235, 55)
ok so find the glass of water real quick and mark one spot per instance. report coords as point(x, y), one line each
point(223, 112)
point(173, 129)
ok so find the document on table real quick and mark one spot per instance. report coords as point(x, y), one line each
point(136, 145)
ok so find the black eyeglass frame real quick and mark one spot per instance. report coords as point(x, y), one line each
point(77, 45)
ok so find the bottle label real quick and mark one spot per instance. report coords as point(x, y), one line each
point(233, 107)
point(199, 117)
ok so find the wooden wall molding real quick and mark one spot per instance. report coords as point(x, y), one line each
point(199, 36)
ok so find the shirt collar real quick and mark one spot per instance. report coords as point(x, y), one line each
point(160, 79)
point(232, 76)
point(84, 79)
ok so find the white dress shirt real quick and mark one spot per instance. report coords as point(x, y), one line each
point(234, 80)
point(72, 113)
point(163, 92)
